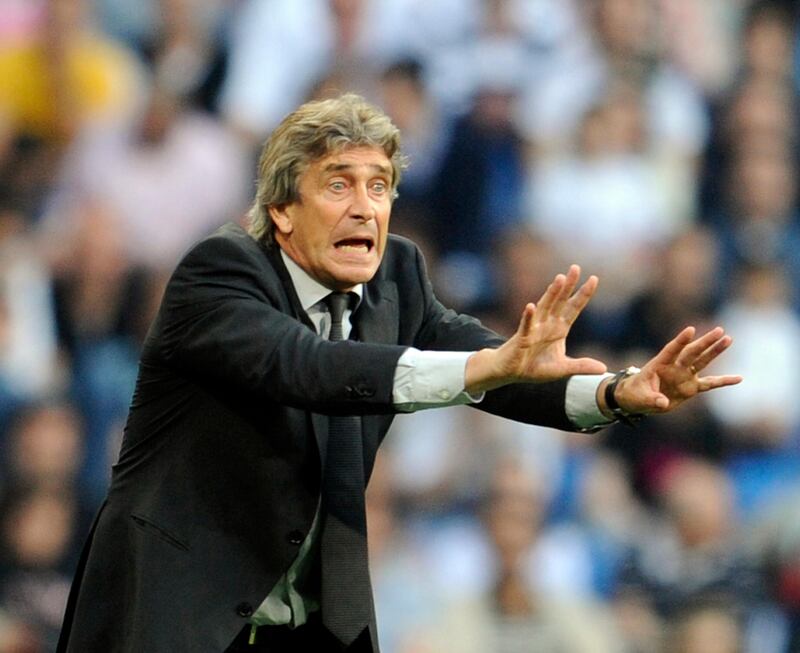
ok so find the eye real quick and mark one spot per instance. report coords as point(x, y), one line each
point(337, 186)
point(380, 187)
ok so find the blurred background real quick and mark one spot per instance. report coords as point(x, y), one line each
point(655, 142)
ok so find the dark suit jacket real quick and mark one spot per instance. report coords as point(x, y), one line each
point(218, 478)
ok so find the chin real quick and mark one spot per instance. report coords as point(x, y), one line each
point(352, 278)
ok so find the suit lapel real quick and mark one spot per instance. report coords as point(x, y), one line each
point(377, 317)
point(376, 320)
point(273, 253)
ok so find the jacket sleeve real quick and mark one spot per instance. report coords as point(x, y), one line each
point(445, 329)
point(221, 324)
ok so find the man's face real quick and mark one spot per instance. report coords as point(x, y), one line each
point(337, 229)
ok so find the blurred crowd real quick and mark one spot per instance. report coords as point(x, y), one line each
point(654, 142)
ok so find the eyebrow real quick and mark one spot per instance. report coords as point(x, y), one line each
point(339, 167)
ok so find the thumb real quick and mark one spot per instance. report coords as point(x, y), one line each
point(660, 401)
point(585, 366)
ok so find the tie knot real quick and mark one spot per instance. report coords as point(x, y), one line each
point(337, 304)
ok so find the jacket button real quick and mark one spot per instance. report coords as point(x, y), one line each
point(244, 609)
point(295, 537)
point(365, 391)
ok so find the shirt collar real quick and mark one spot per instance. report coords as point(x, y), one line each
point(309, 290)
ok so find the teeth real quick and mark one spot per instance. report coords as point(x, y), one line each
point(354, 248)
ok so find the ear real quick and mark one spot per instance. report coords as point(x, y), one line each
point(281, 217)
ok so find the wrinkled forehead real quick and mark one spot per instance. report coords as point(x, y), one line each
point(352, 158)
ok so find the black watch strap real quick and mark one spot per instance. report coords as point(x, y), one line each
point(611, 401)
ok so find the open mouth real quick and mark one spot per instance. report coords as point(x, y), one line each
point(357, 245)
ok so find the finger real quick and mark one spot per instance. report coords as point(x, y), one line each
point(704, 359)
point(580, 299)
point(545, 304)
point(585, 366)
point(526, 321)
point(674, 347)
point(571, 280)
point(707, 383)
point(695, 349)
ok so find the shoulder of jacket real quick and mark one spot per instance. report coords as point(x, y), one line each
point(400, 249)
point(230, 242)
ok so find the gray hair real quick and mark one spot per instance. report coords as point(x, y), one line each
point(308, 134)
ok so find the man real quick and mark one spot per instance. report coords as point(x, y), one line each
point(235, 516)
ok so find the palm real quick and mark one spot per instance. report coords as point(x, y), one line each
point(543, 351)
point(538, 351)
point(672, 376)
point(676, 383)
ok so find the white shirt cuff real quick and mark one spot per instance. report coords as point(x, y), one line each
point(581, 401)
point(431, 379)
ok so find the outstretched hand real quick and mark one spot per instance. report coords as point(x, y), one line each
point(537, 351)
point(673, 375)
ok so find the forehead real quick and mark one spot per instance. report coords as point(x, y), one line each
point(363, 158)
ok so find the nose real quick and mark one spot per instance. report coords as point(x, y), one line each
point(362, 207)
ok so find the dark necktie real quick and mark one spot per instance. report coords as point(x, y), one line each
point(346, 593)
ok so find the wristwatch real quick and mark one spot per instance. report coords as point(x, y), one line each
point(611, 401)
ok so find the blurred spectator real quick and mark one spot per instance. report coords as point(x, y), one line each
point(179, 176)
point(651, 448)
point(761, 419)
point(776, 539)
point(19, 19)
point(405, 598)
point(762, 115)
point(705, 628)
point(104, 307)
point(525, 265)
point(45, 448)
point(425, 132)
point(478, 193)
point(27, 336)
point(760, 225)
point(627, 204)
point(683, 290)
point(580, 553)
point(759, 116)
point(37, 533)
point(280, 48)
point(624, 42)
point(67, 75)
point(762, 412)
point(460, 41)
point(767, 41)
point(427, 467)
point(695, 556)
point(701, 38)
point(441, 462)
point(512, 615)
point(27, 172)
point(182, 41)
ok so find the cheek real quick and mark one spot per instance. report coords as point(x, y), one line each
point(383, 230)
